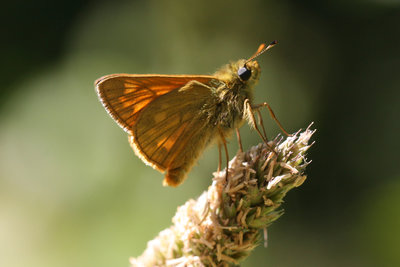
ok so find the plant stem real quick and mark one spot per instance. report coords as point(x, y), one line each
point(223, 225)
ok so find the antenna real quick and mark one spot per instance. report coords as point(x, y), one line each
point(261, 49)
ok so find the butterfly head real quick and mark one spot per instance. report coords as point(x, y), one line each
point(245, 71)
point(240, 73)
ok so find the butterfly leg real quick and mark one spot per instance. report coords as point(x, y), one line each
point(219, 157)
point(252, 120)
point(261, 122)
point(239, 140)
point(265, 237)
point(226, 152)
point(271, 112)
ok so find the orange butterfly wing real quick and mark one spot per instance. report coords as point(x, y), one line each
point(160, 113)
point(125, 95)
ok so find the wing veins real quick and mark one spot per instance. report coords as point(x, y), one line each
point(165, 122)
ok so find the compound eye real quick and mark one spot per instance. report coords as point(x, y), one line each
point(244, 73)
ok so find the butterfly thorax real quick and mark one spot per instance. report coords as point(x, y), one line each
point(230, 93)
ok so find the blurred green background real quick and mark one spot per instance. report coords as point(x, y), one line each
point(72, 193)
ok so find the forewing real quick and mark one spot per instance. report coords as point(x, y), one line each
point(124, 96)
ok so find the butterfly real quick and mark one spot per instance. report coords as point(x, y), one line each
point(171, 119)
